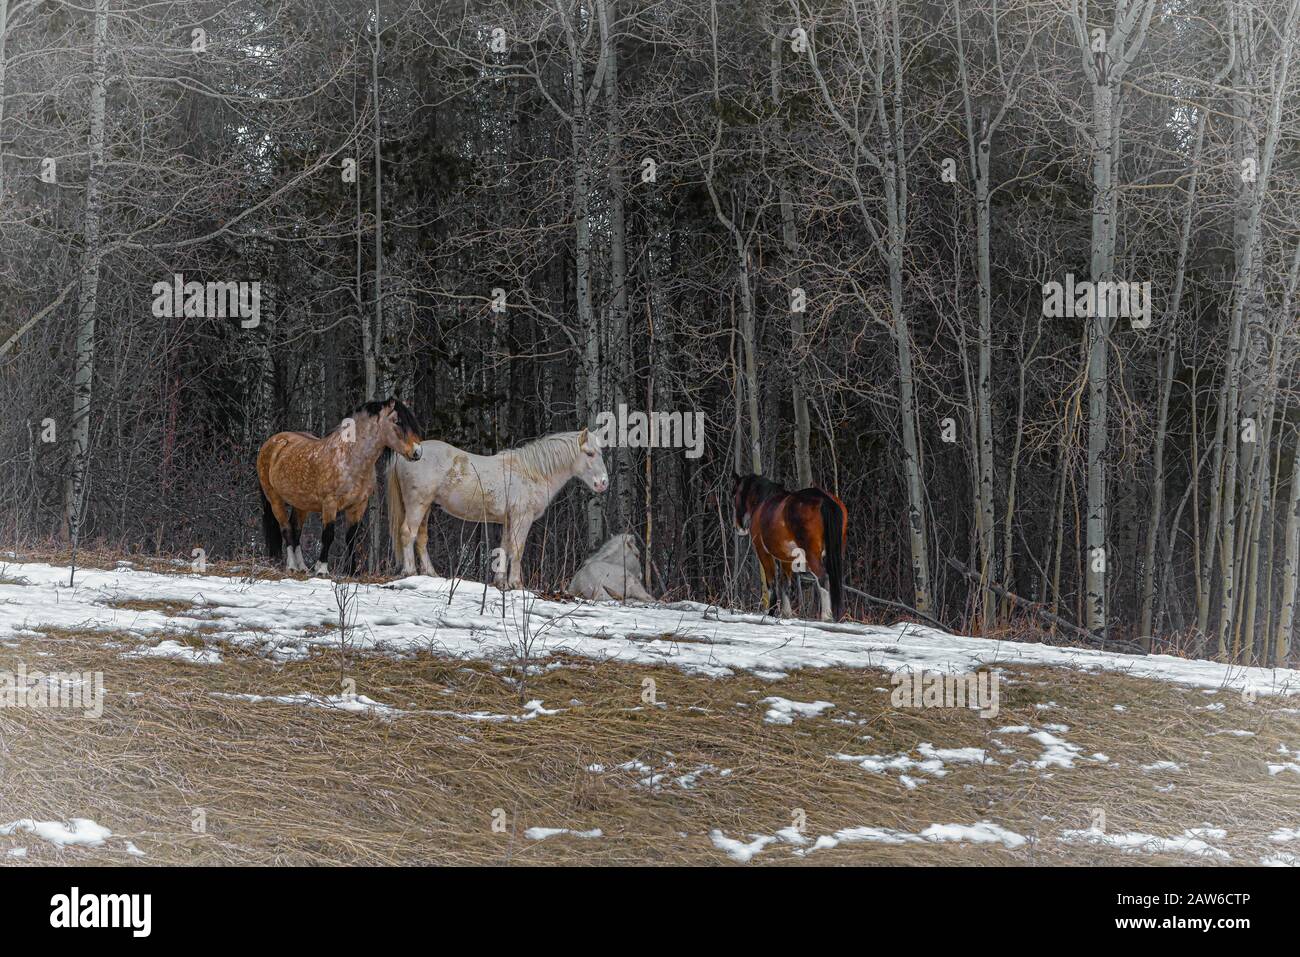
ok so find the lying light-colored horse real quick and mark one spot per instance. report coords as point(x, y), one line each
point(510, 489)
point(613, 572)
point(334, 475)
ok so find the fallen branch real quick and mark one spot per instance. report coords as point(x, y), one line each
point(1056, 620)
point(898, 604)
point(808, 576)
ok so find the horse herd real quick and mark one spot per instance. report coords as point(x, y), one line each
point(794, 533)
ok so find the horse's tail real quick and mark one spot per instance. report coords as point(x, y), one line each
point(396, 509)
point(833, 531)
point(271, 529)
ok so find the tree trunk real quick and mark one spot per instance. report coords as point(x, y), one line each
point(798, 379)
point(1291, 570)
point(618, 360)
point(1102, 264)
point(4, 27)
point(84, 369)
point(1105, 69)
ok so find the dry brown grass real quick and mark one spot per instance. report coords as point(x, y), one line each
point(292, 784)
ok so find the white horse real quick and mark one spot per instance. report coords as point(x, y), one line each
point(510, 489)
point(613, 572)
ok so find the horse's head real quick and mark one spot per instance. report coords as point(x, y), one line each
point(398, 429)
point(748, 492)
point(740, 501)
point(590, 467)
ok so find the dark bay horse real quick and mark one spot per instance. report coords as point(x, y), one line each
point(793, 532)
point(333, 475)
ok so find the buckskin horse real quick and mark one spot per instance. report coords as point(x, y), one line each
point(333, 475)
point(793, 532)
point(511, 489)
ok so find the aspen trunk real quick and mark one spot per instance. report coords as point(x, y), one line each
point(618, 359)
point(1104, 67)
point(798, 380)
point(1103, 249)
point(84, 369)
point(4, 28)
point(1291, 568)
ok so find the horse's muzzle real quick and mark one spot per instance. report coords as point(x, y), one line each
point(415, 454)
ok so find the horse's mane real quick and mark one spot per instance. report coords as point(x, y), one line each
point(550, 454)
point(405, 417)
point(763, 485)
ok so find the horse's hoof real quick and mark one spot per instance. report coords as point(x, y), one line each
point(321, 569)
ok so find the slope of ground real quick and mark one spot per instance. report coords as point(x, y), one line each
point(237, 729)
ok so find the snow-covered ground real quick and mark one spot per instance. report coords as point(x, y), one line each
point(283, 619)
point(456, 618)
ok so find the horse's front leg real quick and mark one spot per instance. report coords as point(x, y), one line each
point(500, 558)
point(518, 534)
point(327, 520)
point(765, 574)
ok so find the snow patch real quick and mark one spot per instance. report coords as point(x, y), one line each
point(542, 833)
point(1189, 843)
point(78, 831)
point(784, 711)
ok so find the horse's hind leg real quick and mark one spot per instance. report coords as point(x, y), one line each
point(281, 513)
point(782, 587)
point(296, 519)
point(422, 540)
point(413, 529)
point(823, 586)
point(353, 516)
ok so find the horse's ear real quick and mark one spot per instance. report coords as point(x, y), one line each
point(582, 439)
